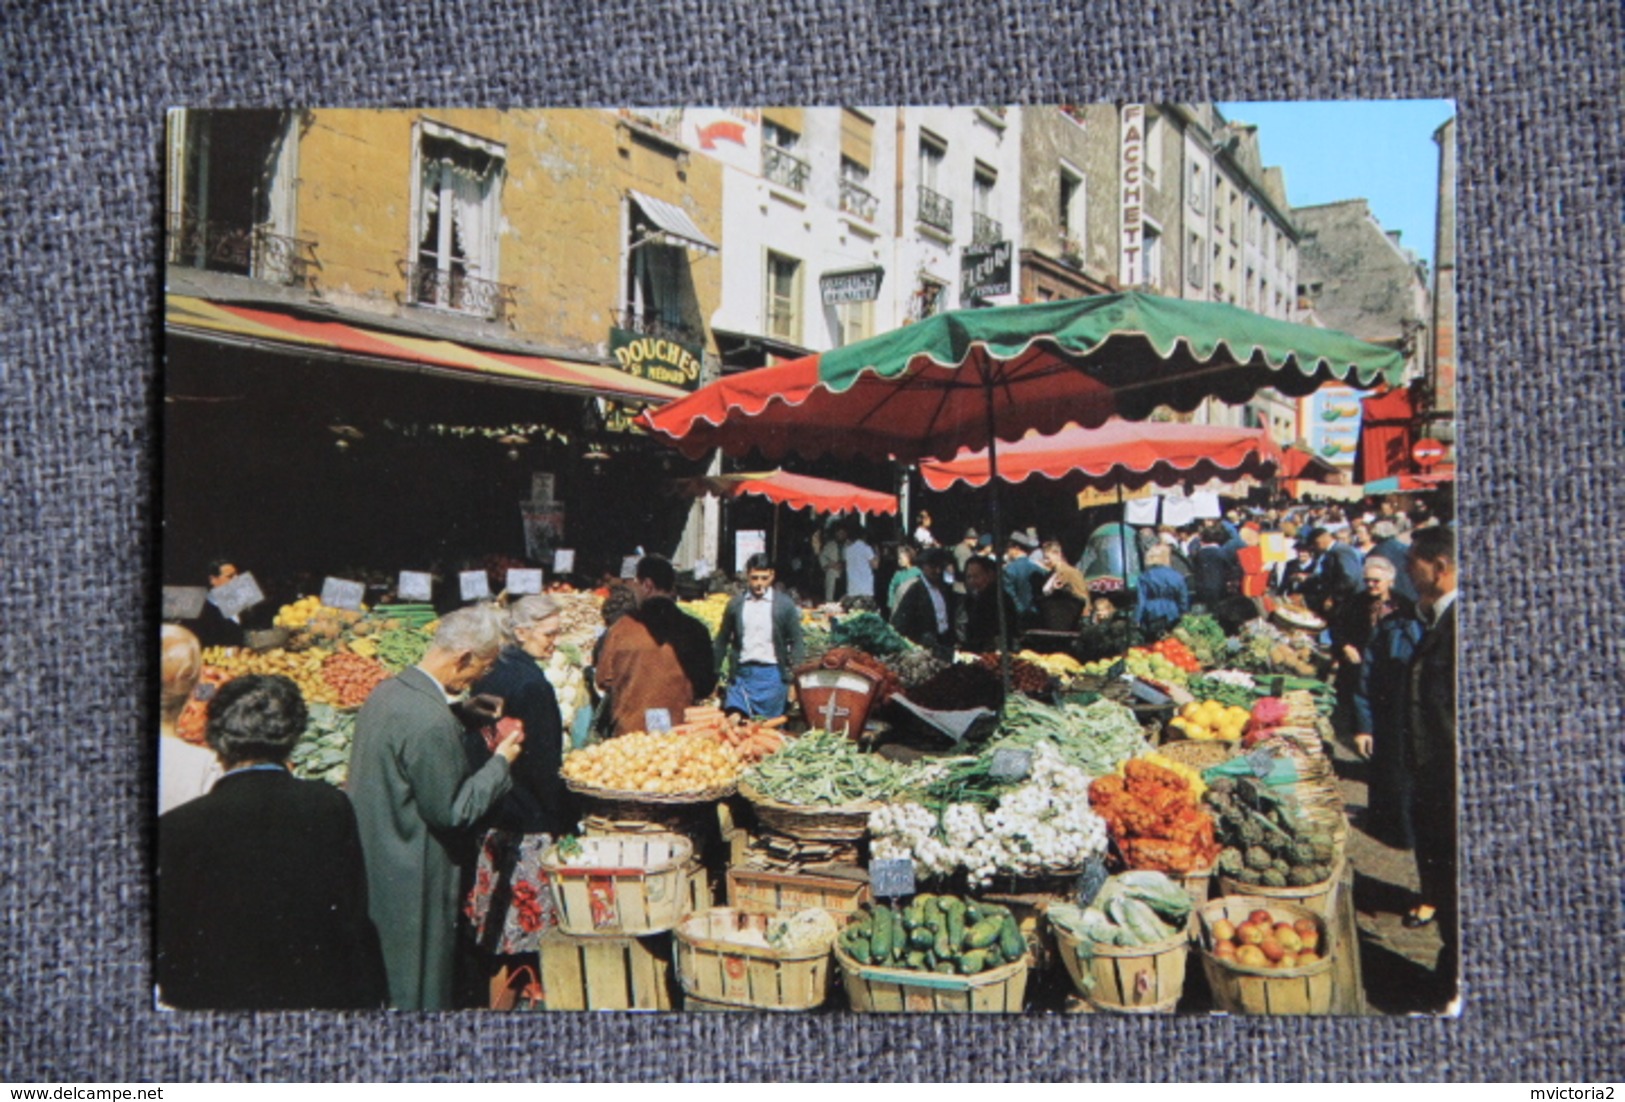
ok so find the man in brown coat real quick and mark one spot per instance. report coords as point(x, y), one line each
point(657, 658)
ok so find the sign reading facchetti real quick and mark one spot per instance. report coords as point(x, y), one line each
point(1131, 267)
point(656, 358)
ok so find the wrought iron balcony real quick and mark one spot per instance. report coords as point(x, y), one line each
point(784, 168)
point(244, 250)
point(428, 285)
point(857, 200)
point(985, 230)
point(936, 210)
point(650, 324)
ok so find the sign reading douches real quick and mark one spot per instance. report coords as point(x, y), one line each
point(656, 358)
point(855, 285)
point(984, 271)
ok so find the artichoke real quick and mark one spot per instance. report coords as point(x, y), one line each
point(1221, 786)
point(1322, 873)
point(1250, 876)
point(1258, 858)
point(1250, 833)
point(1273, 878)
point(1301, 876)
point(1301, 853)
point(1231, 861)
point(1280, 866)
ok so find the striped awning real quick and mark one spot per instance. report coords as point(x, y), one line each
point(673, 221)
point(280, 330)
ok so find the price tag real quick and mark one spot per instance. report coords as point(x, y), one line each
point(1261, 762)
point(629, 566)
point(524, 581)
point(236, 596)
point(1091, 880)
point(342, 593)
point(656, 721)
point(184, 602)
point(890, 877)
point(474, 584)
point(1011, 765)
point(415, 585)
point(702, 569)
point(564, 560)
point(1145, 692)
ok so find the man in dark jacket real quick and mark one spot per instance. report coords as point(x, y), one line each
point(1338, 578)
point(760, 640)
point(1430, 743)
point(925, 607)
point(980, 624)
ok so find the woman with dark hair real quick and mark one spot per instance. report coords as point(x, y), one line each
point(1215, 573)
point(1162, 597)
point(262, 890)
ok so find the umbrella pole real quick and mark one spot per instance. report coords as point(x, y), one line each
point(1122, 533)
point(998, 547)
point(775, 551)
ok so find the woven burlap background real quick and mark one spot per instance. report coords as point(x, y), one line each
point(1538, 89)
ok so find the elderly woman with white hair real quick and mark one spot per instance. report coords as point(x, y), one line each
point(509, 903)
point(1377, 700)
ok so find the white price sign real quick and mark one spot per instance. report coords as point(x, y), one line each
point(343, 593)
point(415, 585)
point(521, 582)
point(564, 560)
point(474, 585)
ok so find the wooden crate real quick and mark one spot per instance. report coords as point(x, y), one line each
point(758, 891)
point(607, 973)
point(1145, 979)
point(1317, 898)
point(1240, 989)
point(871, 989)
point(716, 970)
point(635, 885)
point(700, 896)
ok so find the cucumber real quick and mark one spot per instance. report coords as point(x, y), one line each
point(924, 901)
point(1012, 946)
point(880, 940)
point(945, 967)
point(984, 933)
point(859, 950)
point(972, 962)
point(915, 960)
point(922, 937)
point(954, 911)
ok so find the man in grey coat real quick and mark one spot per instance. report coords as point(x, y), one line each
point(413, 793)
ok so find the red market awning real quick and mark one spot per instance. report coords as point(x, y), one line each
point(1386, 435)
point(282, 331)
point(1119, 453)
point(798, 491)
point(1300, 462)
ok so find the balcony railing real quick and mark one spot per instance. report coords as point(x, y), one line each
point(985, 230)
point(650, 324)
point(936, 210)
point(244, 250)
point(428, 285)
point(857, 200)
point(784, 168)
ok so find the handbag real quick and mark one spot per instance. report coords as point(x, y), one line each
point(517, 988)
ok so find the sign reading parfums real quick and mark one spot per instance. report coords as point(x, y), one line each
point(984, 271)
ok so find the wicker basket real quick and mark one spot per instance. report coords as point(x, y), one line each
point(1199, 754)
point(1242, 989)
point(1318, 899)
point(716, 970)
point(843, 823)
point(1141, 979)
point(634, 885)
point(871, 989)
point(614, 800)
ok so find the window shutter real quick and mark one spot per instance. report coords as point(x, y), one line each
point(857, 138)
point(788, 117)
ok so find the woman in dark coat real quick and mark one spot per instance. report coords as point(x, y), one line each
point(262, 890)
point(509, 904)
point(1162, 597)
point(1215, 573)
point(1378, 687)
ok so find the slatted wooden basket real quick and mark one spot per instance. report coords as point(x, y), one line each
point(1140, 979)
point(607, 973)
point(1242, 989)
point(715, 969)
point(843, 823)
point(872, 989)
point(1316, 898)
point(763, 891)
point(628, 885)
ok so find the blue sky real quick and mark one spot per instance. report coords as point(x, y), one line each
point(1379, 150)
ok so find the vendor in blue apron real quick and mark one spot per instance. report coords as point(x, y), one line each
point(760, 638)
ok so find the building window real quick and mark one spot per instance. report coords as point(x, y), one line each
point(1198, 188)
point(1252, 223)
point(459, 197)
point(936, 209)
point(1196, 260)
point(1073, 215)
point(856, 198)
point(985, 229)
point(659, 298)
point(857, 321)
point(231, 195)
point(1153, 148)
point(780, 164)
point(784, 298)
point(1235, 216)
point(1151, 253)
point(930, 297)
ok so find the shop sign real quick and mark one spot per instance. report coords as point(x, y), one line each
point(629, 566)
point(564, 560)
point(415, 585)
point(474, 585)
point(1088, 499)
point(748, 542)
point(184, 602)
point(522, 582)
point(853, 285)
point(544, 527)
point(1427, 452)
point(343, 593)
point(1131, 196)
point(658, 359)
point(984, 271)
point(236, 596)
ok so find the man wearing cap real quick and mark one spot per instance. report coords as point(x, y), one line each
point(963, 550)
point(1338, 577)
point(1023, 578)
point(924, 612)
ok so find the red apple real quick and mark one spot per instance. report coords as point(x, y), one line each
point(1307, 957)
point(1252, 957)
point(1224, 930)
point(1305, 925)
point(1288, 937)
point(1250, 933)
point(1271, 949)
point(1225, 950)
point(1287, 961)
point(1261, 917)
point(1310, 938)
